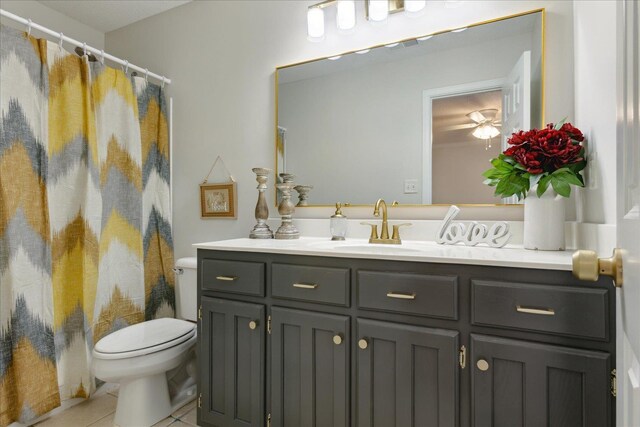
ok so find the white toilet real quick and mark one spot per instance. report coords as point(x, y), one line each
point(154, 361)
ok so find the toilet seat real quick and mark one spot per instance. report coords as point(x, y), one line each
point(144, 338)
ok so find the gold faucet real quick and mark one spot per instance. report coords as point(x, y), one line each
point(384, 234)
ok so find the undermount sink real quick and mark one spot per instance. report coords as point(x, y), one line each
point(365, 247)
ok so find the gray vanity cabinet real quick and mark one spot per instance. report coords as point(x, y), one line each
point(307, 341)
point(231, 352)
point(309, 369)
point(519, 383)
point(407, 375)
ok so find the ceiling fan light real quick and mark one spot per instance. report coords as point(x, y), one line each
point(315, 24)
point(378, 10)
point(486, 131)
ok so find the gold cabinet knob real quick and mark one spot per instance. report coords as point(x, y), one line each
point(363, 343)
point(482, 364)
point(587, 266)
point(253, 324)
point(337, 339)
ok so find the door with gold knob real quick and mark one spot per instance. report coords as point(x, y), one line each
point(406, 375)
point(309, 368)
point(628, 212)
point(521, 383)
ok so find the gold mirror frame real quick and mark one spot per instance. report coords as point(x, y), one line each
point(542, 11)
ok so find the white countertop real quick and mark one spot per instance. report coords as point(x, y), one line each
point(417, 251)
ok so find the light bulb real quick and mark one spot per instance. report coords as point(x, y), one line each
point(315, 24)
point(421, 39)
point(334, 58)
point(486, 131)
point(363, 51)
point(413, 6)
point(378, 10)
point(459, 30)
point(346, 15)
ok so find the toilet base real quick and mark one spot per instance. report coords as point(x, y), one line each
point(143, 401)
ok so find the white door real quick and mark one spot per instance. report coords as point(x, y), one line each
point(516, 98)
point(628, 215)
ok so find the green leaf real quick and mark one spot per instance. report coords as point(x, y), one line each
point(543, 184)
point(560, 123)
point(561, 187)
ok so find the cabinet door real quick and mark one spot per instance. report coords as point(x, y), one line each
point(231, 362)
point(407, 375)
point(309, 369)
point(519, 383)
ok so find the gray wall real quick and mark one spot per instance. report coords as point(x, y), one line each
point(222, 55)
point(43, 15)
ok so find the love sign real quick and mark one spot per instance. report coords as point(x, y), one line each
point(472, 233)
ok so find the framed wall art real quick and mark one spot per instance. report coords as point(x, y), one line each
point(218, 200)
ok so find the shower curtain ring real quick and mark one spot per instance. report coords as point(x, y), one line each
point(84, 49)
point(146, 75)
point(163, 79)
point(102, 56)
point(126, 66)
point(61, 40)
point(29, 23)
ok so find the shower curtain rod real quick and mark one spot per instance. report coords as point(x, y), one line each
point(96, 52)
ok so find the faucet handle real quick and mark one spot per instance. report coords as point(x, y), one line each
point(374, 230)
point(396, 230)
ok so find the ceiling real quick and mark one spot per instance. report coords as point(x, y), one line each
point(452, 111)
point(109, 15)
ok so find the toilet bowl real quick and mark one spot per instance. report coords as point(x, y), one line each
point(153, 361)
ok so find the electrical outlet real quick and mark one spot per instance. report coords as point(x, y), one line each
point(410, 186)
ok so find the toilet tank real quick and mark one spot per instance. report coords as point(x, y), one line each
point(187, 289)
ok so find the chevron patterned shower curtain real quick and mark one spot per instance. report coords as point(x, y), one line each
point(85, 233)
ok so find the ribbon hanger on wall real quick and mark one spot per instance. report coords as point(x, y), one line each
point(213, 166)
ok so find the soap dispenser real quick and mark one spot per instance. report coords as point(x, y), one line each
point(338, 225)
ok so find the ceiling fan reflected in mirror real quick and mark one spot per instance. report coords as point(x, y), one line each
point(485, 125)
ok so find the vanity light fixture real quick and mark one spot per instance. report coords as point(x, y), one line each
point(376, 11)
point(315, 24)
point(414, 6)
point(346, 15)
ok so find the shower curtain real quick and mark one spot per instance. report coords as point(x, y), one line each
point(85, 233)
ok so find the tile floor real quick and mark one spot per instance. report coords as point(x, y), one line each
point(100, 410)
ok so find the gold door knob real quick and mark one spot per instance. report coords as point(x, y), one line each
point(363, 343)
point(337, 339)
point(587, 266)
point(253, 324)
point(482, 364)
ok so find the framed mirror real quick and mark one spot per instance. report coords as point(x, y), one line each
point(416, 121)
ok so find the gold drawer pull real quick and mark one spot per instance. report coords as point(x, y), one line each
point(541, 311)
point(305, 285)
point(401, 295)
point(227, 278)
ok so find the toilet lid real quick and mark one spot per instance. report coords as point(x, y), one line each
point(146, 337)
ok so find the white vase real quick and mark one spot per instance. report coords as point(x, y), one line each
point(544, 221)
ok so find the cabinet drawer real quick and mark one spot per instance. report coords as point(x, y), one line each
point(572, 311)
point(419, 294)
point(238, 277)
point(314, 284)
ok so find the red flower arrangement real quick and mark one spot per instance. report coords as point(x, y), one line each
point(550, 156)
